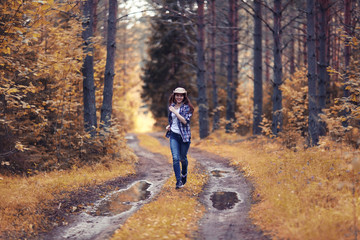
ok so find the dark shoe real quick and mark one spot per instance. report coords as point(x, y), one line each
point(179, 184)
point(183, 179)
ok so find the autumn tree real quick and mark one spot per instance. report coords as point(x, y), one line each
point(258, 82)
point(277, 49)
point(323, 76)
point(88, 69)
point(106, 108)
point(313, 116)
point(216, 116)
point(230, 107)
point(201, 83)
point(40, 82)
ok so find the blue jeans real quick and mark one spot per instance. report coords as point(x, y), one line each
point(179, 151)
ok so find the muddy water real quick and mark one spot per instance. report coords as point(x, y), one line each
point(104, 216)
point(218, 173)
point(224, 200)
point(122, 201)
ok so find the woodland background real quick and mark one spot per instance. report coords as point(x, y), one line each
point(288, 69)
point(76, 76)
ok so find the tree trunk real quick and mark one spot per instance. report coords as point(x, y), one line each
point(313, 116)
point(292, 52)
point(216, 116)
point(230, 114)
point(267, 56)
point(201, 83)
point(236, 57)
point(258, 89)
point(347, 50)
point(323, 61)
point(299, 50)
point(88, 70)
point(330, 45)
point(277, 93)
point(305, 49)
point(106, 108)
point(94, 10)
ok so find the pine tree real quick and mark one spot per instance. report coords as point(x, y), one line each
point(171, 59)
point(106, 108)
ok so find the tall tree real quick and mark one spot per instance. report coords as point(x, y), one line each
point(313, 115)
point(216, 116)
point(201, 83)
point(230, 111)
point(258, 89)
point(106, 108)
point(347, 23)
point(323, 57)
point(236, 56)
point(292, 52)
point(277, 120)
point(267, 55)
point(347, 52)
point(88, 69)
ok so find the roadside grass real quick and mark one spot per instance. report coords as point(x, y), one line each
point(23, 200)
point(309, 194)
point(173, 214)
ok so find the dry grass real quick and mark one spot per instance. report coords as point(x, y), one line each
point(309, 194)
point(174, 213)
point(22, 198)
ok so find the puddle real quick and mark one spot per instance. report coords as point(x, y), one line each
point(122, 201)
point(129, 137)
point(218, 173)
point(224, 200)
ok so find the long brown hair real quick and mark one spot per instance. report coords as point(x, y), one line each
point(186, 100)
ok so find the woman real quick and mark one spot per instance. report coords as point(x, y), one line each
point(178, 130)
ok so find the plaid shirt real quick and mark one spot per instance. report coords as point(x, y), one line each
point(184, 128)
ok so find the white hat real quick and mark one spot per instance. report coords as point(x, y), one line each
point(180, 90)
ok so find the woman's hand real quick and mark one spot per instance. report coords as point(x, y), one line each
point(181, 118)
point(167, 127)
point(172, 109)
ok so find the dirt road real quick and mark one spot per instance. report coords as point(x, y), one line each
point(104, 215)
point(226, 197)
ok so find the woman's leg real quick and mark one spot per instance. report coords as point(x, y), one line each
point(175, 151)
point(184, 147)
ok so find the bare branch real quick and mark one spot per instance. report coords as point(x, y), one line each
point(8, 153)
point(252, 14)
point(291, 21)
point(286, 5)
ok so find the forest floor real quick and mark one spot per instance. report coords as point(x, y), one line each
point(225, 196)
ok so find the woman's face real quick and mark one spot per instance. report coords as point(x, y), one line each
point(179, 98)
